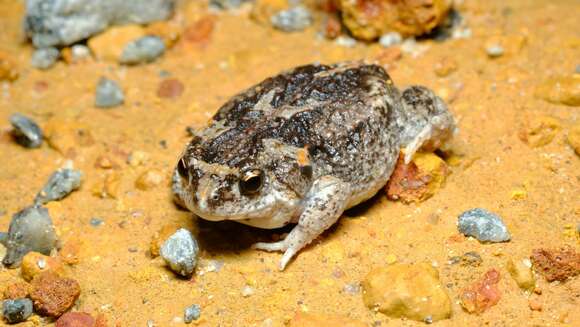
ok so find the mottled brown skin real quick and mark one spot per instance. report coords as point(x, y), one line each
point(317, 139)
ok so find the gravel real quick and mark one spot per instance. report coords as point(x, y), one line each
point(494, 51)
point(51, 23)
point(109, 94)
point(26, 132)
point(390, 39)
point(60, 184)
point(96, 222)
point(30, 230)
point(142, 50)
point(44, 58)
point(15, 311)
point(180, 252)
point(483, 225)
point(291, 20)
point(191, 313)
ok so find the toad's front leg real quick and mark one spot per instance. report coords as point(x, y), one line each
point(323, 205)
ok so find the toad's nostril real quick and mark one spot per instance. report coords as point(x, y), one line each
point(182, 169)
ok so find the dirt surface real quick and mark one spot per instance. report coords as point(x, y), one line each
point(534, 189)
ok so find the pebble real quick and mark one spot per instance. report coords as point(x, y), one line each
point(96, 222)
point(482, 294)
point(60, 184)
point(76, 319)
point(539, 130)
point(556, 264)
point(35, 263)
point(8, 68)
point(412, 291)
point(149, 179)
point(26, 132)
point(560, 90)
point(18, 310)
point(30, 230)
point(44, 58)
point(226, 4)
point(247, 291)
point(193, 312)
point(521, 272)
point(483, 225)
point(417, 181)
point(142, 50)
point(108, 94)
point(80, 52)
point(494, 51)
point(52, 294)
point(291, 20)
point(352, 288)
point(345, 41)
point(170, 88)
point(65, 22)
point(180, 252)
point(390, 39)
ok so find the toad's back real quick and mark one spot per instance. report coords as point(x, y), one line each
point(344, 115)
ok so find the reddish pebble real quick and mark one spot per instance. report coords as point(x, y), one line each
point(170, 88)
point(332, 27)
point(483, 294)
point(40, 86)
point(52, 294)
point(200, 31)
point(559, 264)
point(75, 319)
point(535, 305)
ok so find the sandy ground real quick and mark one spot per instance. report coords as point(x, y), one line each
point(492, 98)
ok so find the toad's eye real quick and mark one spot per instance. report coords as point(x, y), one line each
point(182, 168)
point(251, 182)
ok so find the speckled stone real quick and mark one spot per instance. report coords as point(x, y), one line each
point(180, 252)
point(483, 225)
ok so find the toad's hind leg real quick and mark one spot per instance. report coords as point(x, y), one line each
point(323, 205)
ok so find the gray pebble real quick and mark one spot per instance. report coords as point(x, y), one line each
point(291, 20)
point(345, 41)
point(26, 132)
point(390, 39)
point(64, 22)
point(143, 50)
point(226, 4)
point(15, 311)
point(352, 288)
point(30, 230)
point(191, 313)
point(44, 58)
point(494, 51)
point(109, 94)
point(60, 184)
point(180, 252)
point(96, 222)
point(483, 225)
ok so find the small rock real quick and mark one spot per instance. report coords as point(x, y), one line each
point(26, 132)
point(560, 90)
point(368, 20)
point(494, 51)
point(35, 263)
point(180, 252)
point(76, 319)
point(352, 288)
point(60, 184)
point(53, 295)
point(226, 4)
point(292, 20)
point(170, 88)
point(30, 230)
point(191, 313)
point(303, 319)
point(483, 294)
point(573, 138)
point(149, 179)
point(44, 58)
point(472, 259)
point(345, 41)
point(418, 180)
point(332, 27)
point(80, 52)
point(160, 237)
point(64, 22)
point(8, 69)
point(108, 94)
point(200, 32)
point(559, 264)
point(539, 130)
point(15, 311)
point(247, 291)
point(413, 291)
point(137, 158)
point(143, 50)
point(535, 305)
point(390, 39)
point(483, 225)
point(17, 290)
point(521, 272)
point(96, 222)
